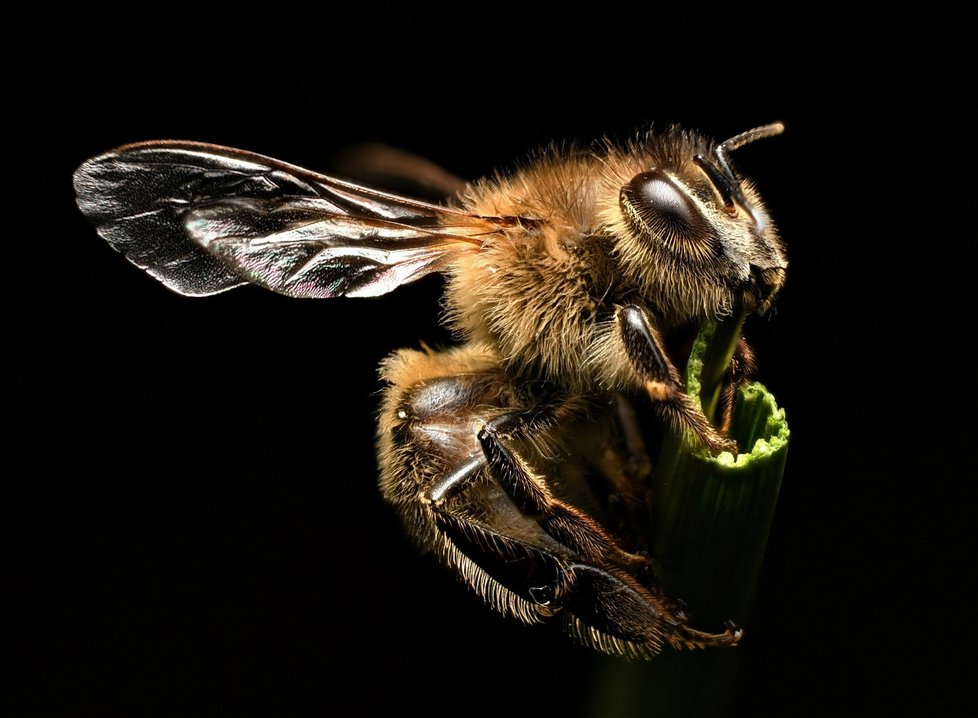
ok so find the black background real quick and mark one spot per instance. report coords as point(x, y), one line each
point(202, 532)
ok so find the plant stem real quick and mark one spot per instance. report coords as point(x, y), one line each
point(710, 520)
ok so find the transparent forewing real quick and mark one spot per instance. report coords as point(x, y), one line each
point(204, 219)
point(137, 202)
point(306, 247)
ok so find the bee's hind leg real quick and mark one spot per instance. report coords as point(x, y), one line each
point(460, 447)
point(607, 605)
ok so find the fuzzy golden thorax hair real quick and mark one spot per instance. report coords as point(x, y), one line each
point(544, 295)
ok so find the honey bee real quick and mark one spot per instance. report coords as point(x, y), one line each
point(513, 456)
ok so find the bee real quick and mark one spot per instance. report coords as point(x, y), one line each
point(514, 456)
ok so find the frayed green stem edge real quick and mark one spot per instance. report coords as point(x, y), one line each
point(711, 515)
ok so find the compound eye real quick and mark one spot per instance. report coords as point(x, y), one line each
point(662, 206)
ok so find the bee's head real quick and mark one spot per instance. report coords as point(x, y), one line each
point(697, 237)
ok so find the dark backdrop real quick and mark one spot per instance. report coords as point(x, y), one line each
point(203, 533)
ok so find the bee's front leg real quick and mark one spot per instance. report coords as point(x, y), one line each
point(741, 369)
point(646, 352)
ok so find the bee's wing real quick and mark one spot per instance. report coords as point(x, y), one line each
point(203, 219)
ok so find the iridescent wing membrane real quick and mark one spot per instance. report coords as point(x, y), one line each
point(204, 219)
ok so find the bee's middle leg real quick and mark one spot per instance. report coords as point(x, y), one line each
point(567, 524)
